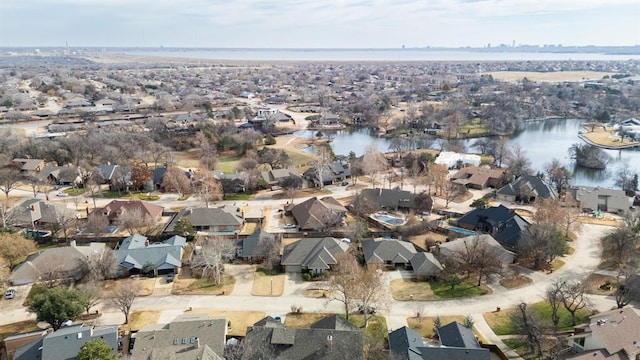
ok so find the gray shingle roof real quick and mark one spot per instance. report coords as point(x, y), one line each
point(425, 264)
point(402, 339)
point(204, 217)
point(540, 188)
point(313, 253)
point(317, 213)
point(65, 343)
point(387, 250)
point(134, 253)
point(185, 337)
point(390, 198)
point(506, 257)
point(456, 335)
point(312, 343)
point(452, 353)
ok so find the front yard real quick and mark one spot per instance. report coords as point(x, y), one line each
point(238, 321)
point(267, 285)
point(407, 290)
point(185, 284)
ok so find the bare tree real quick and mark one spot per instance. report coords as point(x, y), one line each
point(123, 296)
point(10, 177)
point(14, 248)
point(323, 158)
point(623, 242)
point(554, 298)
point(518, 164)
point(135, 221)
point(373, 163)
point(89, 295)
point(291, 184)
point(541, 245)
point(437, 176)
point(209, 260)
point(174, 179)
point(269, 246)
point(208, 188)
point(628, 288)
point(529, 326)
point(449, 192)
point(573, 298)
point(558, 175)
point(370, 290)
point(101, 266)
point(343, 281)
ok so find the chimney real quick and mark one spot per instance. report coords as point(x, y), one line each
point(330, 342)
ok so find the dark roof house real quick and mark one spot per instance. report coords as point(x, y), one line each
point(479, 177)
point(388, 252)
point(459, 245)
point(275, 176)
point(314, 213)
point(210, 221)
point(336, 171)
point(35, 212)
point(327, 339)
point(526, 189)
point(115, 209)
point(391, 199)
point(425, 265)
point(504, 224)
point(314, 254)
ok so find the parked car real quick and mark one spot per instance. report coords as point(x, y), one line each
point(10, 294)
point(344, 183)
point(274, 188)
point(289, 226)
point(67, 323)
point(170, 277)
point(62, 194)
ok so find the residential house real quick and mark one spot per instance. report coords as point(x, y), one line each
point(312, 254)
point(604, 199)
point(504, 224)
point(187, 337)
point(248, 248)
point(390, 252)
point(455, 160)
point(609, 335)
point(231, 183)
point(114, 211)
point(66, 342)
point(107, 172)
point(317, 214)
point(29, 167)
point(273, 177)
point(336, 171)
point(526, 189)
point(425, 265)
point(460, 245)
point(456, 343)
point(59, 175)
point(331, 338)
point(40, 214)
point(135, 253)
point(390, 199)
point(11, 343)
point(227, 221)
point(65, 263)
point(329, 119)
point(475, 177)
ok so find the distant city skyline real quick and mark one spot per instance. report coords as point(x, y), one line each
point(319, 23)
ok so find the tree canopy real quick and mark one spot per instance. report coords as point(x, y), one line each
point(15, 247)
point(56, 305)
point(96, 349)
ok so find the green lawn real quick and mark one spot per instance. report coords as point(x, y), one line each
point(18, 327)
point(377, 325)
point(475, 128)
point(74, 191)
point(238, 196)
point(464, 289)
point(227, 164)
point(501, 322)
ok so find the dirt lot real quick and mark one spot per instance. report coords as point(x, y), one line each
point(423, 240)
point(515, 281)
point(239, 320)
point(604, 220)
point(265, 285)
point(406, 290)
point(556, 76)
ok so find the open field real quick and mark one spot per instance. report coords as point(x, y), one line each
point(555, 76)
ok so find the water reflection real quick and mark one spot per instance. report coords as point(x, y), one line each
point(542, 141)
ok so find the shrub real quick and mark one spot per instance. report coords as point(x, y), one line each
point(306, 277)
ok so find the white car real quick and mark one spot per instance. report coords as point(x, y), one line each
point(62, 194)
point(289, 226)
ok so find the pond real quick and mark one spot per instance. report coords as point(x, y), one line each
point(542, 140)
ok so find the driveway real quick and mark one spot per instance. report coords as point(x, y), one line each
point(244, 278)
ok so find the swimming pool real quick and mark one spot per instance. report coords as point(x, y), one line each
point(388, 219)
point(462, 231)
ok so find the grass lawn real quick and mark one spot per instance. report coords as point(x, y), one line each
point(501, 322)
point(405, 290)
point(515, 281)
point(18, 327)
point(519, 346)
point(474, 128)
point(140, 319)
point(108, 194)
point(146, 286)
point(187, 285)
point(147, 197)
point(302, 193)
point(303, 320)
point(267, 285)
point(74, 191)
point(227, 163)
point(238, 196)
point(465, 289)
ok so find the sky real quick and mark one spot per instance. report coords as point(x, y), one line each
point(317, 23)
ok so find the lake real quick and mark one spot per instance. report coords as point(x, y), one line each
point(542, 140)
